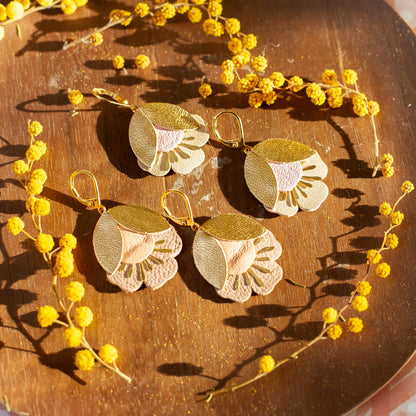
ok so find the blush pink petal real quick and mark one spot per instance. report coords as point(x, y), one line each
point(269, 240)
point(125, 283)
point(171, 241)
point(239, 255)
point(270, 280)
point(137, 247)
point(229, 291)
point(287, 174)
point(161, 273)
point(167, 140)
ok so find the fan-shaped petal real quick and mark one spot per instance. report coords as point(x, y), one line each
point(268, 276)
point(236, 289)
point(184, 165)
point(161, 273)
point(126, 278)
point(311, 197)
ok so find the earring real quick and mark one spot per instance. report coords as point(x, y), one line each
point(133, 244)
point(233, 252)
point(282, 174)
point(162, 136)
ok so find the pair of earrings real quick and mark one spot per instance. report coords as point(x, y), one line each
point(137, 246)
point(284, 175)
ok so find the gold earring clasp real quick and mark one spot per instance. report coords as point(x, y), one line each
point(111, 97)
point(185, 221)
point(94, 202)
point(233, 143)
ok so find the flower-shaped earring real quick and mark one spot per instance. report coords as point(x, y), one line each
point(163, 136)
point(233, 252)
point(133, 244)
point(282, 174)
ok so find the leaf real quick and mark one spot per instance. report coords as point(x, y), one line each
point(108, 243)
point(210, 259)
point(169, 116)
point(139, 219)
point(235, 227)
point(283, 150)
point(143, 139)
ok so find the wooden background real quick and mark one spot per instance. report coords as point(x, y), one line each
point(182, 340)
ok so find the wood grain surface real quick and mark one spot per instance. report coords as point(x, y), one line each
point(183, 339)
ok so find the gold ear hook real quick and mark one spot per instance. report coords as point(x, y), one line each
point(234, 143)
point(88, 202)
point(112, 98)
point(185, 221)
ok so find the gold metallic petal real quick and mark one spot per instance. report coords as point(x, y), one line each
point(169, 116)
point(260, 179)
point(143, 139)
point(233, 227)
point(283, 150)
point(108, 243)
point(139, 219)
point(210, 259)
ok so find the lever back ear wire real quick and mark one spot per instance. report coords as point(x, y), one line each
point(282, 174)
point(187, 221)
point(94, 202)
point(233, 252)
point(162, 136)
point(133, 244)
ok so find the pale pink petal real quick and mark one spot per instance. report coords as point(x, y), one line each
point(122, 279)
point(268, 279)
point(164, 241)
point(160, 273)
point(137, 246)
point(167, 139)
point(262, 247)
point(240, 292)
point(287, 174)
point(239, 254)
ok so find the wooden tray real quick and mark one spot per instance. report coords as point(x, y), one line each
point(182, 340)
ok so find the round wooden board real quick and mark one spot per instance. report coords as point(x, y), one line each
point(182, 340)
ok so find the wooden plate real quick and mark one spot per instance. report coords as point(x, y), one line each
point(183, 340)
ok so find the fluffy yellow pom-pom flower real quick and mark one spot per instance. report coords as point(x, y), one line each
point(72, 336)
point(255, 99)
point(68, 6)
point(392, 241)
point(84, 360)
point(235, 45)
point(96, 38)
point(41, 146)
point(15, 225)
point(387, 170)
point(75, 97)
point(232, 26)
point(44, 243)
point(168, 10)
point(407, 187)
point(266, 85)
point(35, 128)
point(34, 187)
point(350, 76)
point(14, 10)
point(397, 217)
point(108, 353)
point(118, 62)
point(83, 316)
point(47, 315)
point(39, 175)
point(355, 325)
point(363, 288)
point(68, 241)
point(194, 15)
point(385, 209)
point(266, 364)
point(329, 315)
point(74, 291)
point(64, 263)
point(158, 19)
point(33, 152)
point(259, 63)
point(205, 90)
point(329, 77)
point(3, 15)
point(227, 77)
point(373, 256)
point(214, 8)
point(278, 79)
point(20, 167)
point(360, 303)
point(41, 207)
point(141, 9)
point(249, 41)
point(383, 270)
point(297, 83)
point(334, 332)
point(142, 61)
